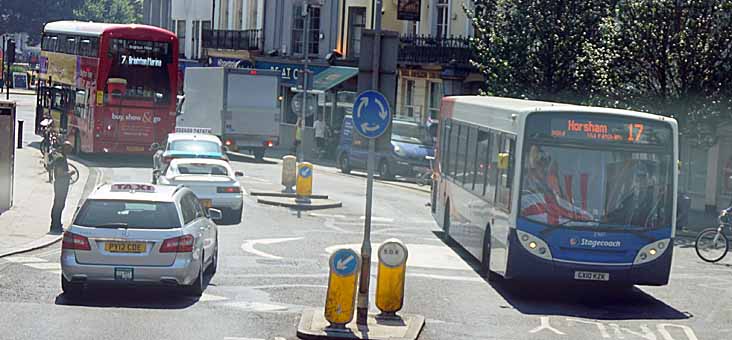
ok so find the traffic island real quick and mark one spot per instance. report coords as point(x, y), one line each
point(313, 325)
point(294, 203)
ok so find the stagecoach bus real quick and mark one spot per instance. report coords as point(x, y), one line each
point(109, 87)
point(556, 192)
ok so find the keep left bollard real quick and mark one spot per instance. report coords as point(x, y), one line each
point(340, 301)
point(304, 182)
point(390, 278)
point(289, 173)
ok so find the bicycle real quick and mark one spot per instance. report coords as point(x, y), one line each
point(712, 244)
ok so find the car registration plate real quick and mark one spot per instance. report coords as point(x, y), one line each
point(124, 274)
point(591, 276)
point(206, 203)
point(125, 247)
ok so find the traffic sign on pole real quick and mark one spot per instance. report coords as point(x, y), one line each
point(339, 302)
point(371, 114)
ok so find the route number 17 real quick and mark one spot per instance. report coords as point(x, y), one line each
point(635, 131)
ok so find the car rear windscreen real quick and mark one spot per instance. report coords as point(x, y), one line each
point(128, 214)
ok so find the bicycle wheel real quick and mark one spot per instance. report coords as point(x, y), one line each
point(75, 175)
point(712, 245)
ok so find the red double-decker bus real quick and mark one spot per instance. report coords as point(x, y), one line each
point(110, 88)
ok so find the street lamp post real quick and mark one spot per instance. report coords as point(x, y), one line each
point(306, 75)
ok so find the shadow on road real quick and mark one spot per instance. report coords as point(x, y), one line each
point(131, 297)
point(575, 299)
point(107, 160)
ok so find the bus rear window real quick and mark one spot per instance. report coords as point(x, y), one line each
point(144, 67)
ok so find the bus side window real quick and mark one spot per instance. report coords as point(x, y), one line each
point(444, 152)
point(453, 149)
point(505, 185)
point(491, 160)
point(481, 164)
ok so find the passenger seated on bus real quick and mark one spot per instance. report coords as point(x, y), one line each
point(542, 199)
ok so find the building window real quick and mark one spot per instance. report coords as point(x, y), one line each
point(409, 109)
point(181, 31)
point(434, 99)
point(195, 37)
point(298, 35)
point(443, 18)
point(413, 27)
point(356, 25)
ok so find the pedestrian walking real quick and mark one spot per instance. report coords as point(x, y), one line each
point(319, 127)
point(298, 136)
point(62, 177)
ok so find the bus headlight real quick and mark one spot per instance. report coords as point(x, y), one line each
point(652, 251)
point(534, 245)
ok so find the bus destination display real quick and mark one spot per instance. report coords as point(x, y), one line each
point(598, 128)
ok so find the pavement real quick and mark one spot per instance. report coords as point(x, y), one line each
point(26, 225)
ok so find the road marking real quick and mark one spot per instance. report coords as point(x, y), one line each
point(600, 326)
point(379, 219)
point(24, 259)
point(45, 265)
point(259, 306)
point(287, 286)
point(545, 325)
point(206, 297)
point(327, 215)
point(330, 224)
point(248, 246)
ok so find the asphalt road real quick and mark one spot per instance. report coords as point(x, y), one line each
point(274, 264)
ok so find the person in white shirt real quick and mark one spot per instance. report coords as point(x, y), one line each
point(319, 127)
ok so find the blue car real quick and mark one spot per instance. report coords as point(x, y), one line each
point(411, 150)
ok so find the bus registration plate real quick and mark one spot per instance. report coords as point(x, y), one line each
point(591, 276)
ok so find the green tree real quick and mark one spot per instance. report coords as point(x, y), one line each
point(533, 48)
point(30, 15)
point(672, 57)
point(110, 11)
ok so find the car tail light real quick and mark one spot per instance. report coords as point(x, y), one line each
point(75, 242)
point(180, 244)
point(229, 142)
point(268, 144)
point(228, 190)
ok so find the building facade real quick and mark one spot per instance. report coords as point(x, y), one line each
point(157, 13)
point(434, 50)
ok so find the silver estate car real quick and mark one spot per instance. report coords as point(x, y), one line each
point(140, 234)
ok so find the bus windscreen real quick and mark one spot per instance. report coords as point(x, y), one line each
point(596, 186)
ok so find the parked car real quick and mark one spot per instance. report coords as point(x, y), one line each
point(140, 234)
point(212, 180)
point(410, 153)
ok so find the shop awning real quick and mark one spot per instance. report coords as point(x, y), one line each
point(332, 77)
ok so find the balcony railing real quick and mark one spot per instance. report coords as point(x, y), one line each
point(425, 49)
point(233, 40)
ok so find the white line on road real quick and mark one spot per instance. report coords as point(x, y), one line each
point(45, 266)
point(248, 246)
point(327, 215)
point(447, 278)
point(206, 297)
point(24, 259)
point(379, 219)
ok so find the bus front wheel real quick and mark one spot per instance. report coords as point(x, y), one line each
point(485, 263)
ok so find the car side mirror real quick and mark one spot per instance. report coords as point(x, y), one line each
point(238, 174)
point(215, 214)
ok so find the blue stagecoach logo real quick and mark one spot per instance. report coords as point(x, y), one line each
point(587, 243)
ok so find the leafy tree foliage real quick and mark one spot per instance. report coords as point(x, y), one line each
point(111, 11)
point(30, 15)
point(672, 57)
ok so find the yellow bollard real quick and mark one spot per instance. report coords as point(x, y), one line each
point(390, 278)
point(289, 173)
point(340, 299)
point(304, 180)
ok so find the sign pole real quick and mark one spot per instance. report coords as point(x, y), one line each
point(364, 281)
point(306, 62)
